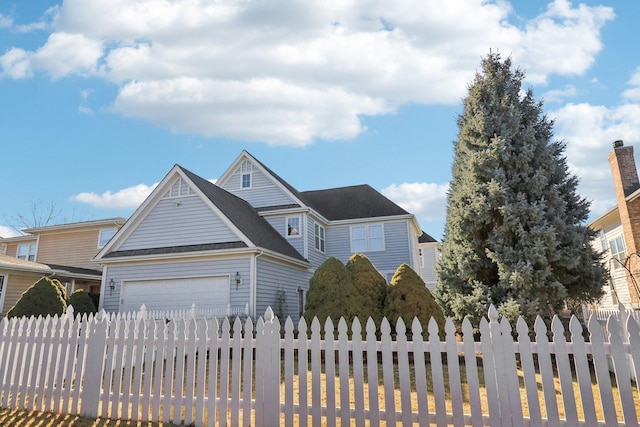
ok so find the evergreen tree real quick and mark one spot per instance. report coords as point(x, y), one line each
point(332, 294)
point(81, 303)
point(370, 284)
point(515, 230)
point(409, 297)
point(45, 297)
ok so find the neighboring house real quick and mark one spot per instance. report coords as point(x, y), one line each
point(429, 251)
point(619, 233)
point(64, 252)
point(247, 242)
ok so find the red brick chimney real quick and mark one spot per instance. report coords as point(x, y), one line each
point(625, 181)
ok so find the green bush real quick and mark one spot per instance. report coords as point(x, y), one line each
point(81, 303)
point(332, 294)
point(408, 297)
point(370, 284)
point(45, 297)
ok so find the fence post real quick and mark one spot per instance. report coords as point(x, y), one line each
point(94, 365)
point(268, 382)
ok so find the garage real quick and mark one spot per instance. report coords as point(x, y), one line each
point(175, 294)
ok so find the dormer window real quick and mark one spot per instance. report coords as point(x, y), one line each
point(293, 226)
point(245, 174)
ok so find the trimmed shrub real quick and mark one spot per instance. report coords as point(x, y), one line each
point(408, 297)
point(82, 303)
point(331, 294)
point(370, 284)
point(95, 297)
point(45, 297)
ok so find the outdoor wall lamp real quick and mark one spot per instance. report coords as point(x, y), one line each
point(238, 279)
point(112, 286)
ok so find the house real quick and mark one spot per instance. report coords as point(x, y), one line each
point(249, 241)
point(63, 251)
point(619, 232)
point(429, 251)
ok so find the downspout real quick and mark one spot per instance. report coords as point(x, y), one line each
point(253, 289)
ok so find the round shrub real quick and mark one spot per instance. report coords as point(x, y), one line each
point(370, 284)
point(331, 294)
point(408, 297)
point(82, 303)
point(45, 297)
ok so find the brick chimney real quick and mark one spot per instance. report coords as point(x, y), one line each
point(625, 182)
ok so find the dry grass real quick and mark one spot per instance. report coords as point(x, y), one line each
point(33, 419)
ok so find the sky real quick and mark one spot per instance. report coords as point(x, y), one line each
point(100, 98)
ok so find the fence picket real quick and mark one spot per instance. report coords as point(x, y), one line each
point(372, 373)
point(212, 395)
point(403, 372)
point(330, 371)
point(193, 334)
point(564, 371)
point(529, 373)
point(288, 372)
point(223, 405)
point(471, 369)
point(358, 372)
point(236, 373)
point(387, 373)
point(316, 360)
point(583, 374)
point(303, 374)
point(343, 371)
point(19, 366)
point(420, 372)
point(622, 371)
point(453, 368)
point(247, 383)
point(178, 384)
point(602, 372)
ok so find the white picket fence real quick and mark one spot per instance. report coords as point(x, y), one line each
point(200, 372)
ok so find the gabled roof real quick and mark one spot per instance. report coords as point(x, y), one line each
point(244, 217)
point(355, 202)
point(12, 263)
point(70, 225)
point(425, 238)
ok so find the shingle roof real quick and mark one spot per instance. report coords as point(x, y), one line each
point(10, 262)
point(359, 201)
point(76, 270)
point(176, 249)
point(425, 238)
point(244, 217)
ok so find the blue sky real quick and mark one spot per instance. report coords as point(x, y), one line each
point(100, 98)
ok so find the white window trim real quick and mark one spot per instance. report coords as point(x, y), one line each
point(317, 226)
point(366, 237)
point(29, 246)
point(286, 227)
point(246, 169)
point(114, 229)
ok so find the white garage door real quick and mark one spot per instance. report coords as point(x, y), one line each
point(175, 294)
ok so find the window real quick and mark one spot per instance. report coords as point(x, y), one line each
point(617, 252)
point(318, 232)
point(293, 226)
point(603, 240)
point(105, 236)
point(245, 174)
point(27, 252)
point(367, 238)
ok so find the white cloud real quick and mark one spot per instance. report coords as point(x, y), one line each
point(427, 201)
point(633, 93)
point(127, 198)
point(246, 70)
point(589, 131)
point(559, 95)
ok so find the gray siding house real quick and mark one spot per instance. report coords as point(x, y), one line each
point(247, 242)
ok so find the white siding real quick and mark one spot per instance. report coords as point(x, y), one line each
point(177, 222)
point(428, 270)
point(178, 270)
point(263, 192)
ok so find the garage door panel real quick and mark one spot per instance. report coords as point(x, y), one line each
point(175, 294)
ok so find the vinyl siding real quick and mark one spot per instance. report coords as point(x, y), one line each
point(15, 285)
point(428, 271)
point(72, 248)
point(12, 247)
point(169, 224)
point(396, 251)
point(279, 224)
point(263, 191)
point(271, 278)
point(315, 256)
point(177, 270)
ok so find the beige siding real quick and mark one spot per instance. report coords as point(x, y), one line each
point(16, 284)
point(72, 248)
point(12, 247)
